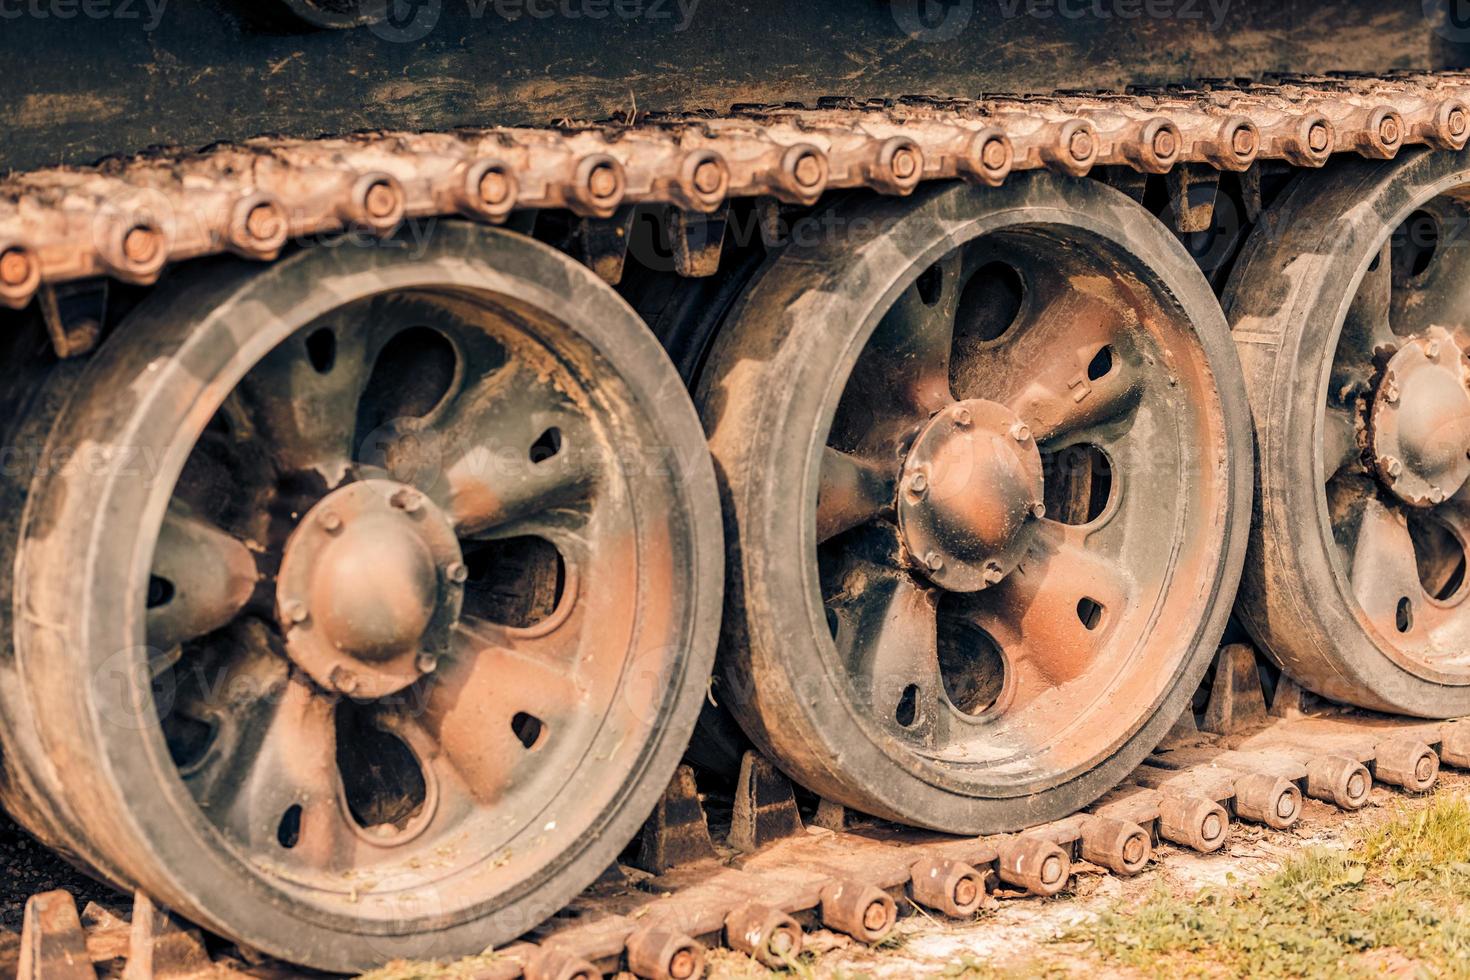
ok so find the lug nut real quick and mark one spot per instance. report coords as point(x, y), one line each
point(1020, 432)
point(1038, 510)
point(1165, 144)
point(295, 611)
point(426, 663)
point(1243, 141)
point(1080, 145)
point(934, 561)
point(1457, 121)
point(994, 154)
point(918, 484)
point(963, 418)
point(1431, 349)
point(456, 572)
point(343, 680)
point(807, 170)
point(993, 572)
point(1391, 466)
point(407, 500)
point(331, 520)
point(904, 163)
point(1388, 129)
point(380, 200)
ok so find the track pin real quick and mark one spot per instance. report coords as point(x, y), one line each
point(1122, 847)
point(1193, 821)
point(1406, 762)
point(1339, 780)
point(863, 912)
point(1035, 864)
point(767, 935)
point(952, 887)
point(657, 953)
point(1271, 800)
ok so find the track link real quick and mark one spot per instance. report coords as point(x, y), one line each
point(131, 218)
point(772, 879)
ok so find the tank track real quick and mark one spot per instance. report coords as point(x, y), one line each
point(130, 218)
point(771, 878)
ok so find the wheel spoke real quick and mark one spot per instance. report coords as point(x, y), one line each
point(853, 491)
point(275, 752)
point(509, 447)
point(1062, 368)
point(1365, 329)
point(303, 396)
point(201, 579)
point(499, 698)
point(903, 373)
point(1340, 449)
point(1063, 600)
point(888, 636)
point(1382, 568)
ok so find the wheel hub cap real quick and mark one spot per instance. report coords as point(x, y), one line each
point(970, 487)
point(1420, 420)
point(370, 587)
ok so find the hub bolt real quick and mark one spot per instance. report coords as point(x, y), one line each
point(1431, 349)
point(1021, 432)
point(963, 418)
point(993, 572)
point(934, 561)
point(1436, 495)
point(456, 572)
point(1038, 510)
point(331, 520)
point(1390, 391)
point(295, 611)
point(1391, 466)
point(918, 484)
point(426, 663)
point(407, 500)
point(343, 680)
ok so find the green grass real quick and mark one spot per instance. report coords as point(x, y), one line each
point(1397, 900)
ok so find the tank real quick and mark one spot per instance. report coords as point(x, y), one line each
point(428, 423)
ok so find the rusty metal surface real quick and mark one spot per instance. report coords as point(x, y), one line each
point(764, 903)
point(129, 219)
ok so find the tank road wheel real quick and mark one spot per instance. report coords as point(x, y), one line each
point(1351, 314)
point(987, 467)
point(385, 607)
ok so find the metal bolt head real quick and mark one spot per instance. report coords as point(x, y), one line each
point(141, 244)
point(426, 663)
point(962, 417)
point(407, 500)
point(1436, 495)
point(993, 155)
point(966, 891)
point(263, 222)
point(1391, 466)
point(1038, 510)
point(1390, 391)
point(380, 200)
point(331, 520)
point(1021, 432)
point(295, 611)
point(875, 917)
point(904, 163)
point(1133, 849)
point(1080, 145)
point(807, 170)
point(933, 561)
point(780, 942)
point(1317, 137)
point(343, 680)
point(993, 572)
point(1457, 121)
point(1285, 805)
point(1388, 129)
point(918, 484)
point(707, 177)
point(1051, 870)
point(602, 182)
point(1211, 827)
point(494, 187)
point(456, 572)
point(1424, 768)
point(1431, 349)
point(1243, 141)
point(1355, 785)
point(1165, 144)
point(15, 267)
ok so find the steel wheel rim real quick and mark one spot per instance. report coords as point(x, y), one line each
point(985, 726)
point(661, 678)
point(1389, 413)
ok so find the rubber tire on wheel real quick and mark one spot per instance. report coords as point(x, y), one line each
point(86, 764)
point(1286, 301)
point(763, 395)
